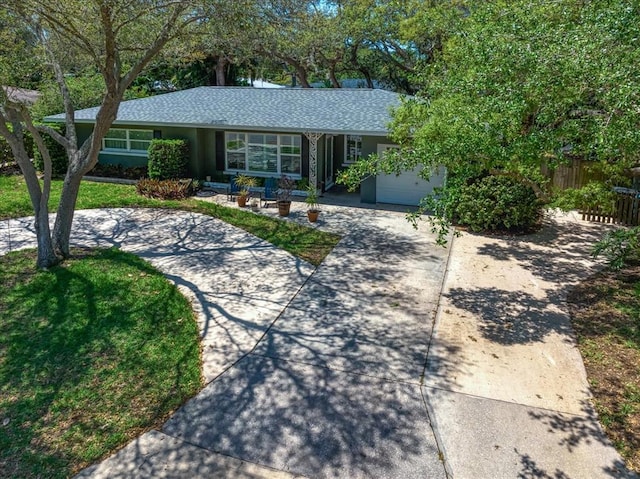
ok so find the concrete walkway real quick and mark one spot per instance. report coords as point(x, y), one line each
point(324, 373)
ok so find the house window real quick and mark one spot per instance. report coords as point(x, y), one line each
point(354, 148)
point(264, 154)
point(121, 140)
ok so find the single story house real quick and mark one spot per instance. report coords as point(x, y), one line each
point(299, 132)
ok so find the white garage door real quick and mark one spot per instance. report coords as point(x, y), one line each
point(407, 188)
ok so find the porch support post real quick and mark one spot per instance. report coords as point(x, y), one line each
point(313, 138)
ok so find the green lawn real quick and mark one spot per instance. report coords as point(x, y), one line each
point(101, 348)
point(306, 243)
point(92, 353)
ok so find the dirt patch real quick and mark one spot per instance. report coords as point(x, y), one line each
point(605, 312)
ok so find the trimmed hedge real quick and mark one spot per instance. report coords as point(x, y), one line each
point(59, 160)
point(168, 159)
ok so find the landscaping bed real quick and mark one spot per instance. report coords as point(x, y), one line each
point(605, 312)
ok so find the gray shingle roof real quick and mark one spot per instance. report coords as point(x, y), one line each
point(287, 109)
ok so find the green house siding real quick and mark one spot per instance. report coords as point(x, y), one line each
point(207, 153)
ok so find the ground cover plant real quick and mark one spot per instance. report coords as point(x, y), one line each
point(605, 312)
point(92, 353)
point(306, 243)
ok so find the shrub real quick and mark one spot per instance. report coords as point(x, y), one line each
point(286, 185)
point(119, 171)
point(59, 160)
point(6, 155)
point(619, 247)
point(168, 159)
point(490, 203)
point(164, 189)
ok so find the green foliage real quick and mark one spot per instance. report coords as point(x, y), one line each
point(164, 189)
point(6, 155)
point(619, 246)
point(302, 184)
point(168, 159)
point(312, 198)
point(118, 171)
point(86, 91)
point(245, 183)
point(521, 84)
point(491, 203)
point(196, 185)
point(59, 159)
point(21, 62)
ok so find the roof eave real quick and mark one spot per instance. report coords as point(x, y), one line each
point(225, 127)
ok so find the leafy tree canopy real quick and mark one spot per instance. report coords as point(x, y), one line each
point(531, 82)
point(522, 84)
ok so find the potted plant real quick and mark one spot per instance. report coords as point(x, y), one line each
point(311, 200)
point(285, 187)
point(245, 183)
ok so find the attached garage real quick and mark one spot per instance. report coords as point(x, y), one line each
point(407, 188)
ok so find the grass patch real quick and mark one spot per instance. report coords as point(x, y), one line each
point(605, 312)
point(92, 353)
point(309, 244)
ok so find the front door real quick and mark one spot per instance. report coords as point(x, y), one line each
point(328, 162)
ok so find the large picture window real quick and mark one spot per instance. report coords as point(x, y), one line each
point(264, 154)
point(122, 140)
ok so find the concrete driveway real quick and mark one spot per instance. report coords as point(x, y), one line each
point(312, 372)
point(337, 372)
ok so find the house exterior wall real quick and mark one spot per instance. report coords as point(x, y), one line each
point(207, 153)
point(200, 146)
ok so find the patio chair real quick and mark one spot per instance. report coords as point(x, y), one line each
point(270, 192)
point(233, 189)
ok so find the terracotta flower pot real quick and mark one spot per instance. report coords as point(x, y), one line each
point(284, 207)
point(313, 215)
point(242, 201)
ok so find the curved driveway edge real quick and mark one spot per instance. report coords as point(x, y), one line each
point(238, 284)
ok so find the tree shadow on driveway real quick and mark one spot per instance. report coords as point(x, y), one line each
point(312, 421)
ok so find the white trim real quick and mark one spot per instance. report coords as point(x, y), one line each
point(279, 146)
point(259, 174)
point(113, 151)
point(128, 150)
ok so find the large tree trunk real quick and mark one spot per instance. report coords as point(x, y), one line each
point(302, 75)
point(39, 196)
point(46, 253)
point(332, 76)
point(66, 210)
point(221, 64)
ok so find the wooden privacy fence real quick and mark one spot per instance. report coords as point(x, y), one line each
point(575, 174)
point(625, 210)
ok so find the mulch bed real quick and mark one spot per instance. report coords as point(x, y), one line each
point(605, 311)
